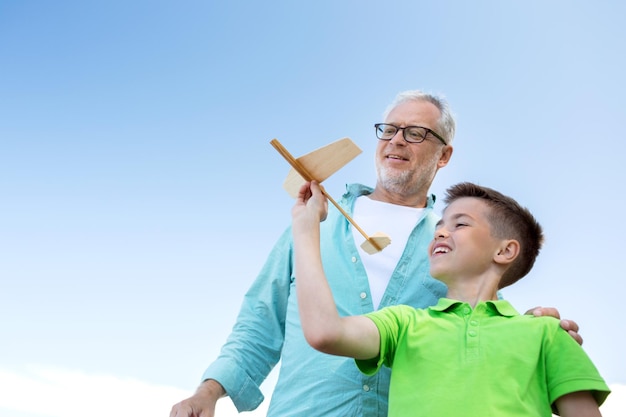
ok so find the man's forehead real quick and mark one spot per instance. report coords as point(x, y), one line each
point(415, 109)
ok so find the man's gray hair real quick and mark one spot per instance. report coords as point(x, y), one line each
point(446, 125)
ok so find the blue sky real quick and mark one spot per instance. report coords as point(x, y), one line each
point(140, 194)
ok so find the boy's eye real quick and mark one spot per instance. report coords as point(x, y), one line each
point(460, 224)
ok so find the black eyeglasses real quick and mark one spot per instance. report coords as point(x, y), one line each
point(412, 134)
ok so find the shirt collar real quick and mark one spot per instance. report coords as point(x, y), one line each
point(357, 190)
point(501, 307)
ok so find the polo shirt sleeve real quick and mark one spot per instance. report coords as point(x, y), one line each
point(254, 346)
point(390, 322)
point(569, 368)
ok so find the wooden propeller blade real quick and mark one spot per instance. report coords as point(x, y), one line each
point(372, 244)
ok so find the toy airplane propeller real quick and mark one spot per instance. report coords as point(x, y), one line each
point(319, 165)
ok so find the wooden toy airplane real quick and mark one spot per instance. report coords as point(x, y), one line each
point(319, 165)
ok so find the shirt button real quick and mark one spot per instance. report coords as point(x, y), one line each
point(466, 310)
point(363, 296)
point(473, 322)
point(366, 388)
point(353, 259)
point(472, 333)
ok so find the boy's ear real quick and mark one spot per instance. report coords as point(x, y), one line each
point(509, 249)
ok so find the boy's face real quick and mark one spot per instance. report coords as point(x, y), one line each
point(463, 247)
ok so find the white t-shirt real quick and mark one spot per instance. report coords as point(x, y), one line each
point(395, 221)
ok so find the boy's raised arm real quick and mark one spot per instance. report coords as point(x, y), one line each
point(324, 330)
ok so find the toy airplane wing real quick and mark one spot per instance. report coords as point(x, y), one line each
point(321, 163)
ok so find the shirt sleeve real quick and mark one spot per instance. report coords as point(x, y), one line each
point(389, 322)
point(569, 368)
point(254, 346)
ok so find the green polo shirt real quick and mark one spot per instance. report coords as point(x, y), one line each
point(451, 359)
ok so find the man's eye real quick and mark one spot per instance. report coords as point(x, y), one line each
point(414, 135)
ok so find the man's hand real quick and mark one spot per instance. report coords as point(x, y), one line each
point(568, 325)
point(202, 403)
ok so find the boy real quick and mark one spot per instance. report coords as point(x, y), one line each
point(471, 353)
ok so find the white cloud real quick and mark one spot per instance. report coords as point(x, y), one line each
point(51, 392)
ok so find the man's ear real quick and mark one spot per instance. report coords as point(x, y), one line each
point(508, 251)
point(446, 154)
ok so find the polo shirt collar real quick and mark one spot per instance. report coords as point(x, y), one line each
point(501, 307)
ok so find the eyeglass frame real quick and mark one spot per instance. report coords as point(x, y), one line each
point(408, 127)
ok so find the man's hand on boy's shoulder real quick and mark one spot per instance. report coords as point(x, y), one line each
point(570, 326)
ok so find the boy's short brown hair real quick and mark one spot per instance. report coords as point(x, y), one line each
point(508, 220)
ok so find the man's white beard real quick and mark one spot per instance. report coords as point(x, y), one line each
point(396, 182)
point(408, 182)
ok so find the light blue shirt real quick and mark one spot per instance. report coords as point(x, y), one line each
point(268, 329)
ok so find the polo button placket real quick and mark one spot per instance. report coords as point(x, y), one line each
point(472, 350)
